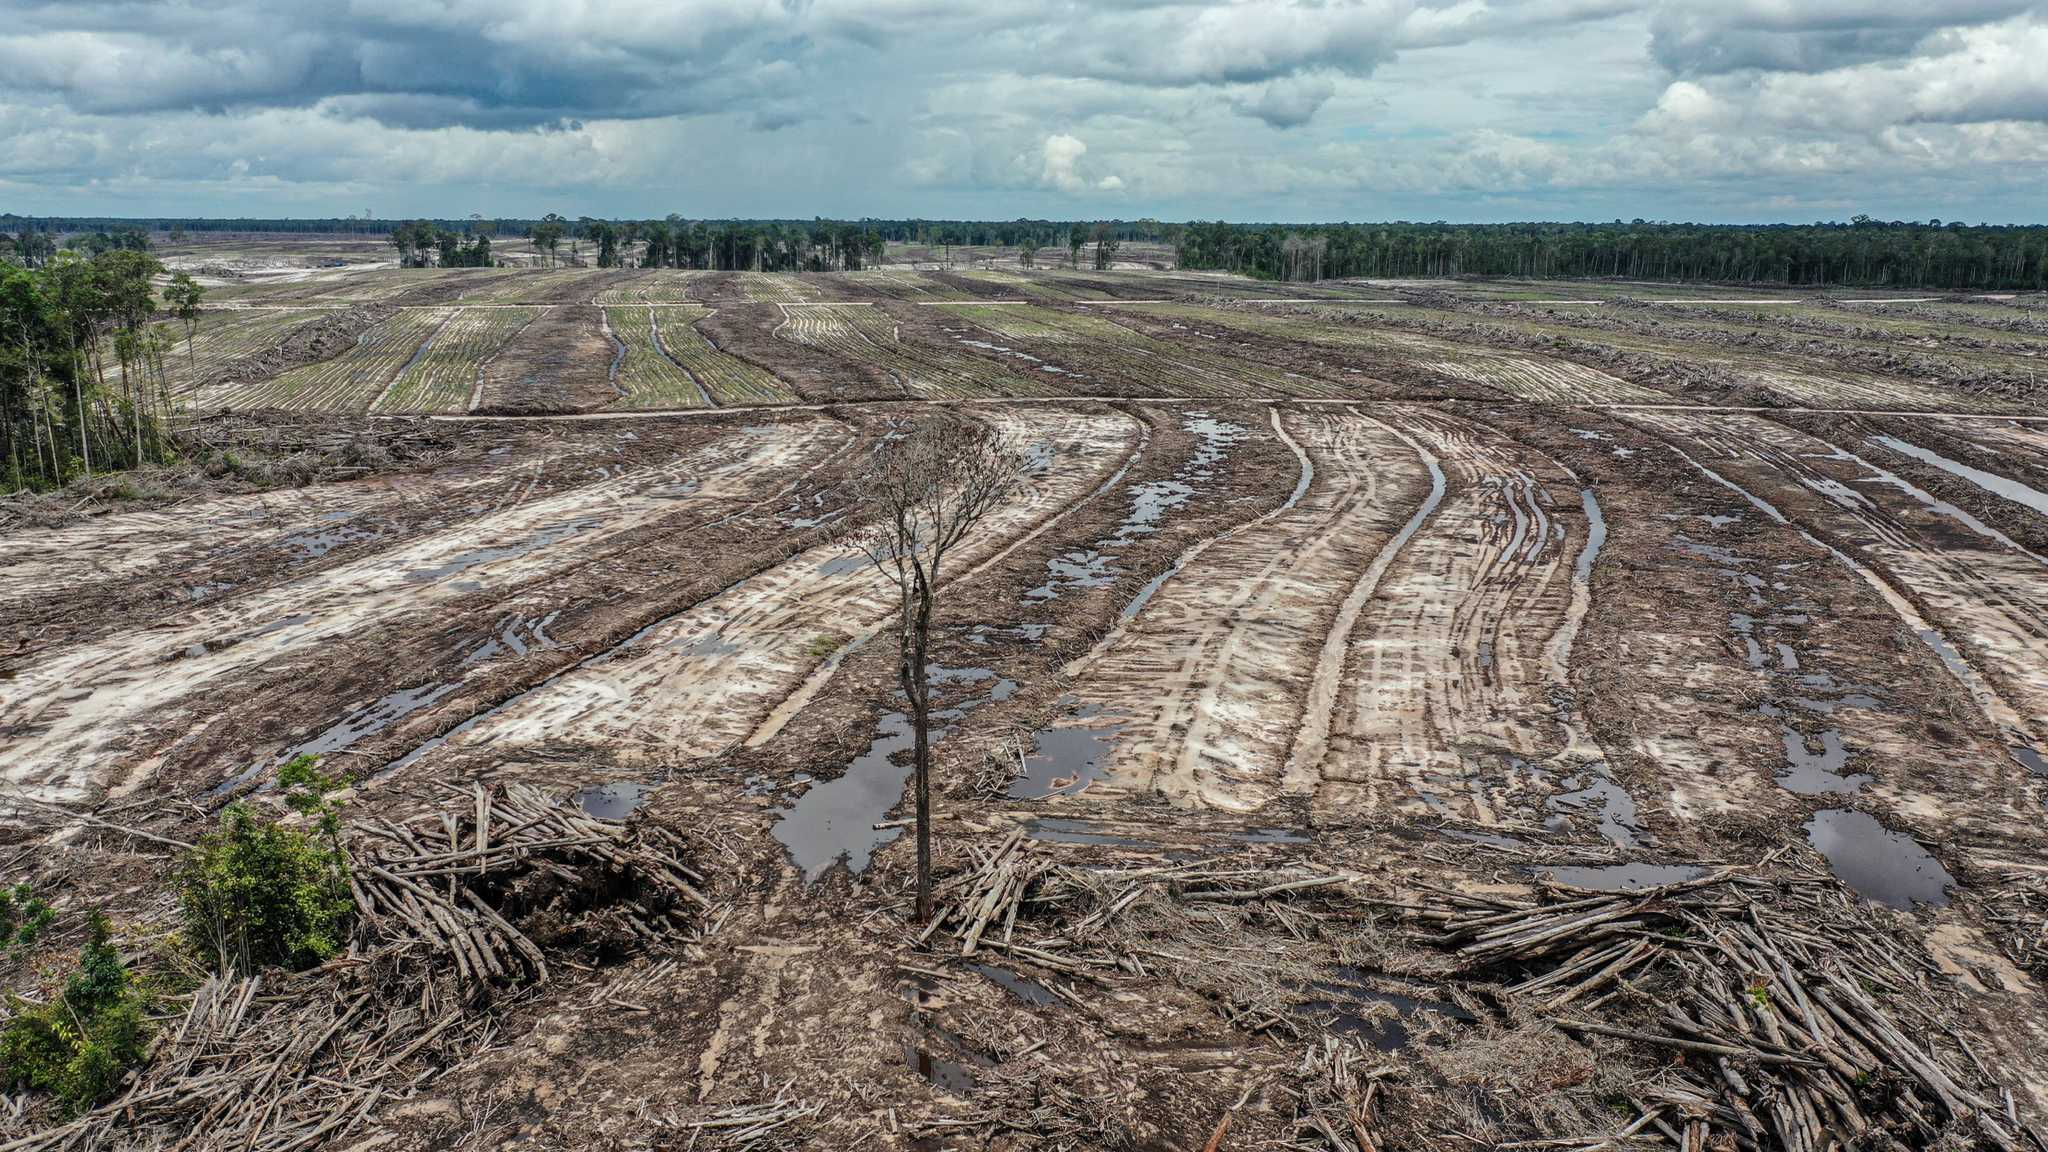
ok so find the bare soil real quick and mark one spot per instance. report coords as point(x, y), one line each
point(1412, 766)
point(562, 362)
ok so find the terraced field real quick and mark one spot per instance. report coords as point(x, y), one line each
point(220, 338)
point(349, 382)
point(1358, 710)
point(862, 333)
point(445, 375)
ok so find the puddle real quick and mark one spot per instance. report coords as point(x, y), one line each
point(1811, 773)
point(519, 637)
point(199, 592)
point(278, 625)
point(841, 565)
point(1062, 831)
point(709, 644)
point(1932, 503)
point(1382, 1019)
point(834, 822)
point(1596, 537)
point(1725, 557)
point(1066, 757)
point(1275, 836)
point(545, 538)
point(1028, 990)
point(1876, 863)
point(1151, 502)
point(358, 726)
point(1072, 570)
point(1592, 793)
point(1989, 481)
point(313, 545)
point(371, 720)
point(1624, 877)
point(953, 1076)
point(614, 801)
point(1032, 633)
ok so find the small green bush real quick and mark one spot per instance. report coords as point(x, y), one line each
point(255, 893)
point(78, 1045)
point(22, 916)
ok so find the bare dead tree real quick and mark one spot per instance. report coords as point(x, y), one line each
point(925, 492)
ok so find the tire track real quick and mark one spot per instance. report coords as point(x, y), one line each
point(65, 721)
point(1448, 695)
point(1200, 679)
point(704, 679)
point(780, 716)
point(1987, 597)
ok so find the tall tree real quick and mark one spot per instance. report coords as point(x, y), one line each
point(924, 493)
point(182, 296)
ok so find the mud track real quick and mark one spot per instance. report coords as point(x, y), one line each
point(707, 677)
point(104, 715)
point(1445, 703)
point(1206, 679)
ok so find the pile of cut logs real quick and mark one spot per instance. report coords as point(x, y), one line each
point(1792, 1019)
point(429, 879)
point(284, 1061)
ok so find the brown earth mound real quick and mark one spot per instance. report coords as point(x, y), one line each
point(562, 362)
point(322, 338)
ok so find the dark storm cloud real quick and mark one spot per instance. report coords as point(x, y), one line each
point(411, 65)
point(1702, 38)
point(1273, 109)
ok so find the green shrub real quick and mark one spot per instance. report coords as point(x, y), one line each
point(78, 1045)
point(255, 893)
point(22, 916)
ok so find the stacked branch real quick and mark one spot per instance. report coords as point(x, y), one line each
point(2018, 907)
point(1335, 1093)
point(1791, 1017)
point(442, 877)
point(1089, 922)
point(286, 1061)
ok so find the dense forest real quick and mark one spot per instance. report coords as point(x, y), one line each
point(1863, 252)
point(84, 342)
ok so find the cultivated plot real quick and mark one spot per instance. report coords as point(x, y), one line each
point(96, 715)
point(1447, 697)
point(1985, 596)
point(864, 333)
point(446, 374)
point(1201, 693)
point(349, 382)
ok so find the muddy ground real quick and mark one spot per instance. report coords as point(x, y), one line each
point(1279, 715)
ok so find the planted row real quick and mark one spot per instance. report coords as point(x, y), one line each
point(443, 376)
point(351, 381)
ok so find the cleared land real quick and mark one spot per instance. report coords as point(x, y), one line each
point(1557, 713)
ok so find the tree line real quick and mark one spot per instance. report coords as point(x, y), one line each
point(1862, 252)
point(725, 246)
point(423, 243)
point(66, 410)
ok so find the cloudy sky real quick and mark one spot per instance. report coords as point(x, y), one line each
point(1718, 110)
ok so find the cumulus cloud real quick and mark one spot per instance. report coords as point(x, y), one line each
point(1266, 109)
point(1290, 102)
point(1804, 35)
point(1062, 153)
